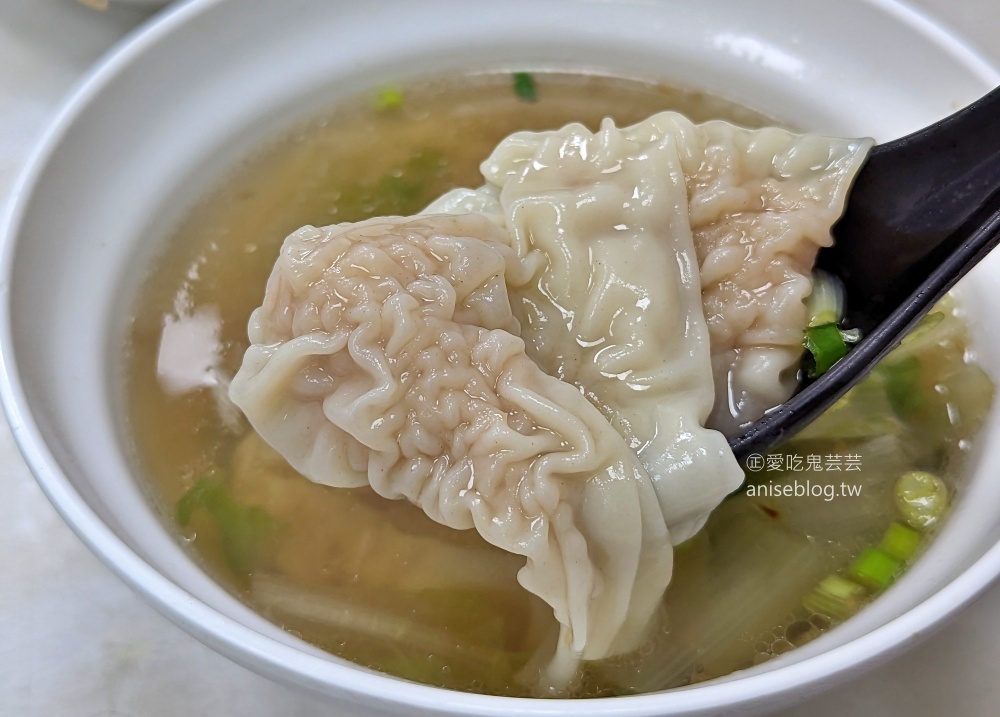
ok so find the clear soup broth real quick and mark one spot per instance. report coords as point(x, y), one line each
point(376, 581)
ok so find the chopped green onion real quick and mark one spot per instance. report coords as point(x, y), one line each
point(875, 568)
point(203, 493)
point(826, 302)
point(836, 597)
point(826, 346)
point(244, 529)
point(921, 498)
point(388, 98)
point(900, 541)
point(524, 86)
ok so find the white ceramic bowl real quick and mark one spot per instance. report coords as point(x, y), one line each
point(145, 133)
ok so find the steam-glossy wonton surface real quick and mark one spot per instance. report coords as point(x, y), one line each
point(758, 205)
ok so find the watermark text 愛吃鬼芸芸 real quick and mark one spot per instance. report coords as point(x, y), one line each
point(795, 463)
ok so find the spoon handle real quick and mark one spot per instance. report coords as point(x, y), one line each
point(916, 209)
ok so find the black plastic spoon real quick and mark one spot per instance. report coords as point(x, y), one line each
point(923, 211)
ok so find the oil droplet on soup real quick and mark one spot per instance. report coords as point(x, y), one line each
point(376, 581)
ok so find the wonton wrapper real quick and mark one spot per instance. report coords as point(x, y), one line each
point(539, 364)
point(385, 352)
point(758, 203)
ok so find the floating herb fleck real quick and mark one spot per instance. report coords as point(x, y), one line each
point(524, 86)
point(902, 380)
point(388, 98)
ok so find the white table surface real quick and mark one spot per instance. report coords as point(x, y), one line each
point(75, 642)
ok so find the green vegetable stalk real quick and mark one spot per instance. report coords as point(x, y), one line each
point(244, 529)
point(388, 98)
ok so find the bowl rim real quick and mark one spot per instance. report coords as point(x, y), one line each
point(261, 653)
